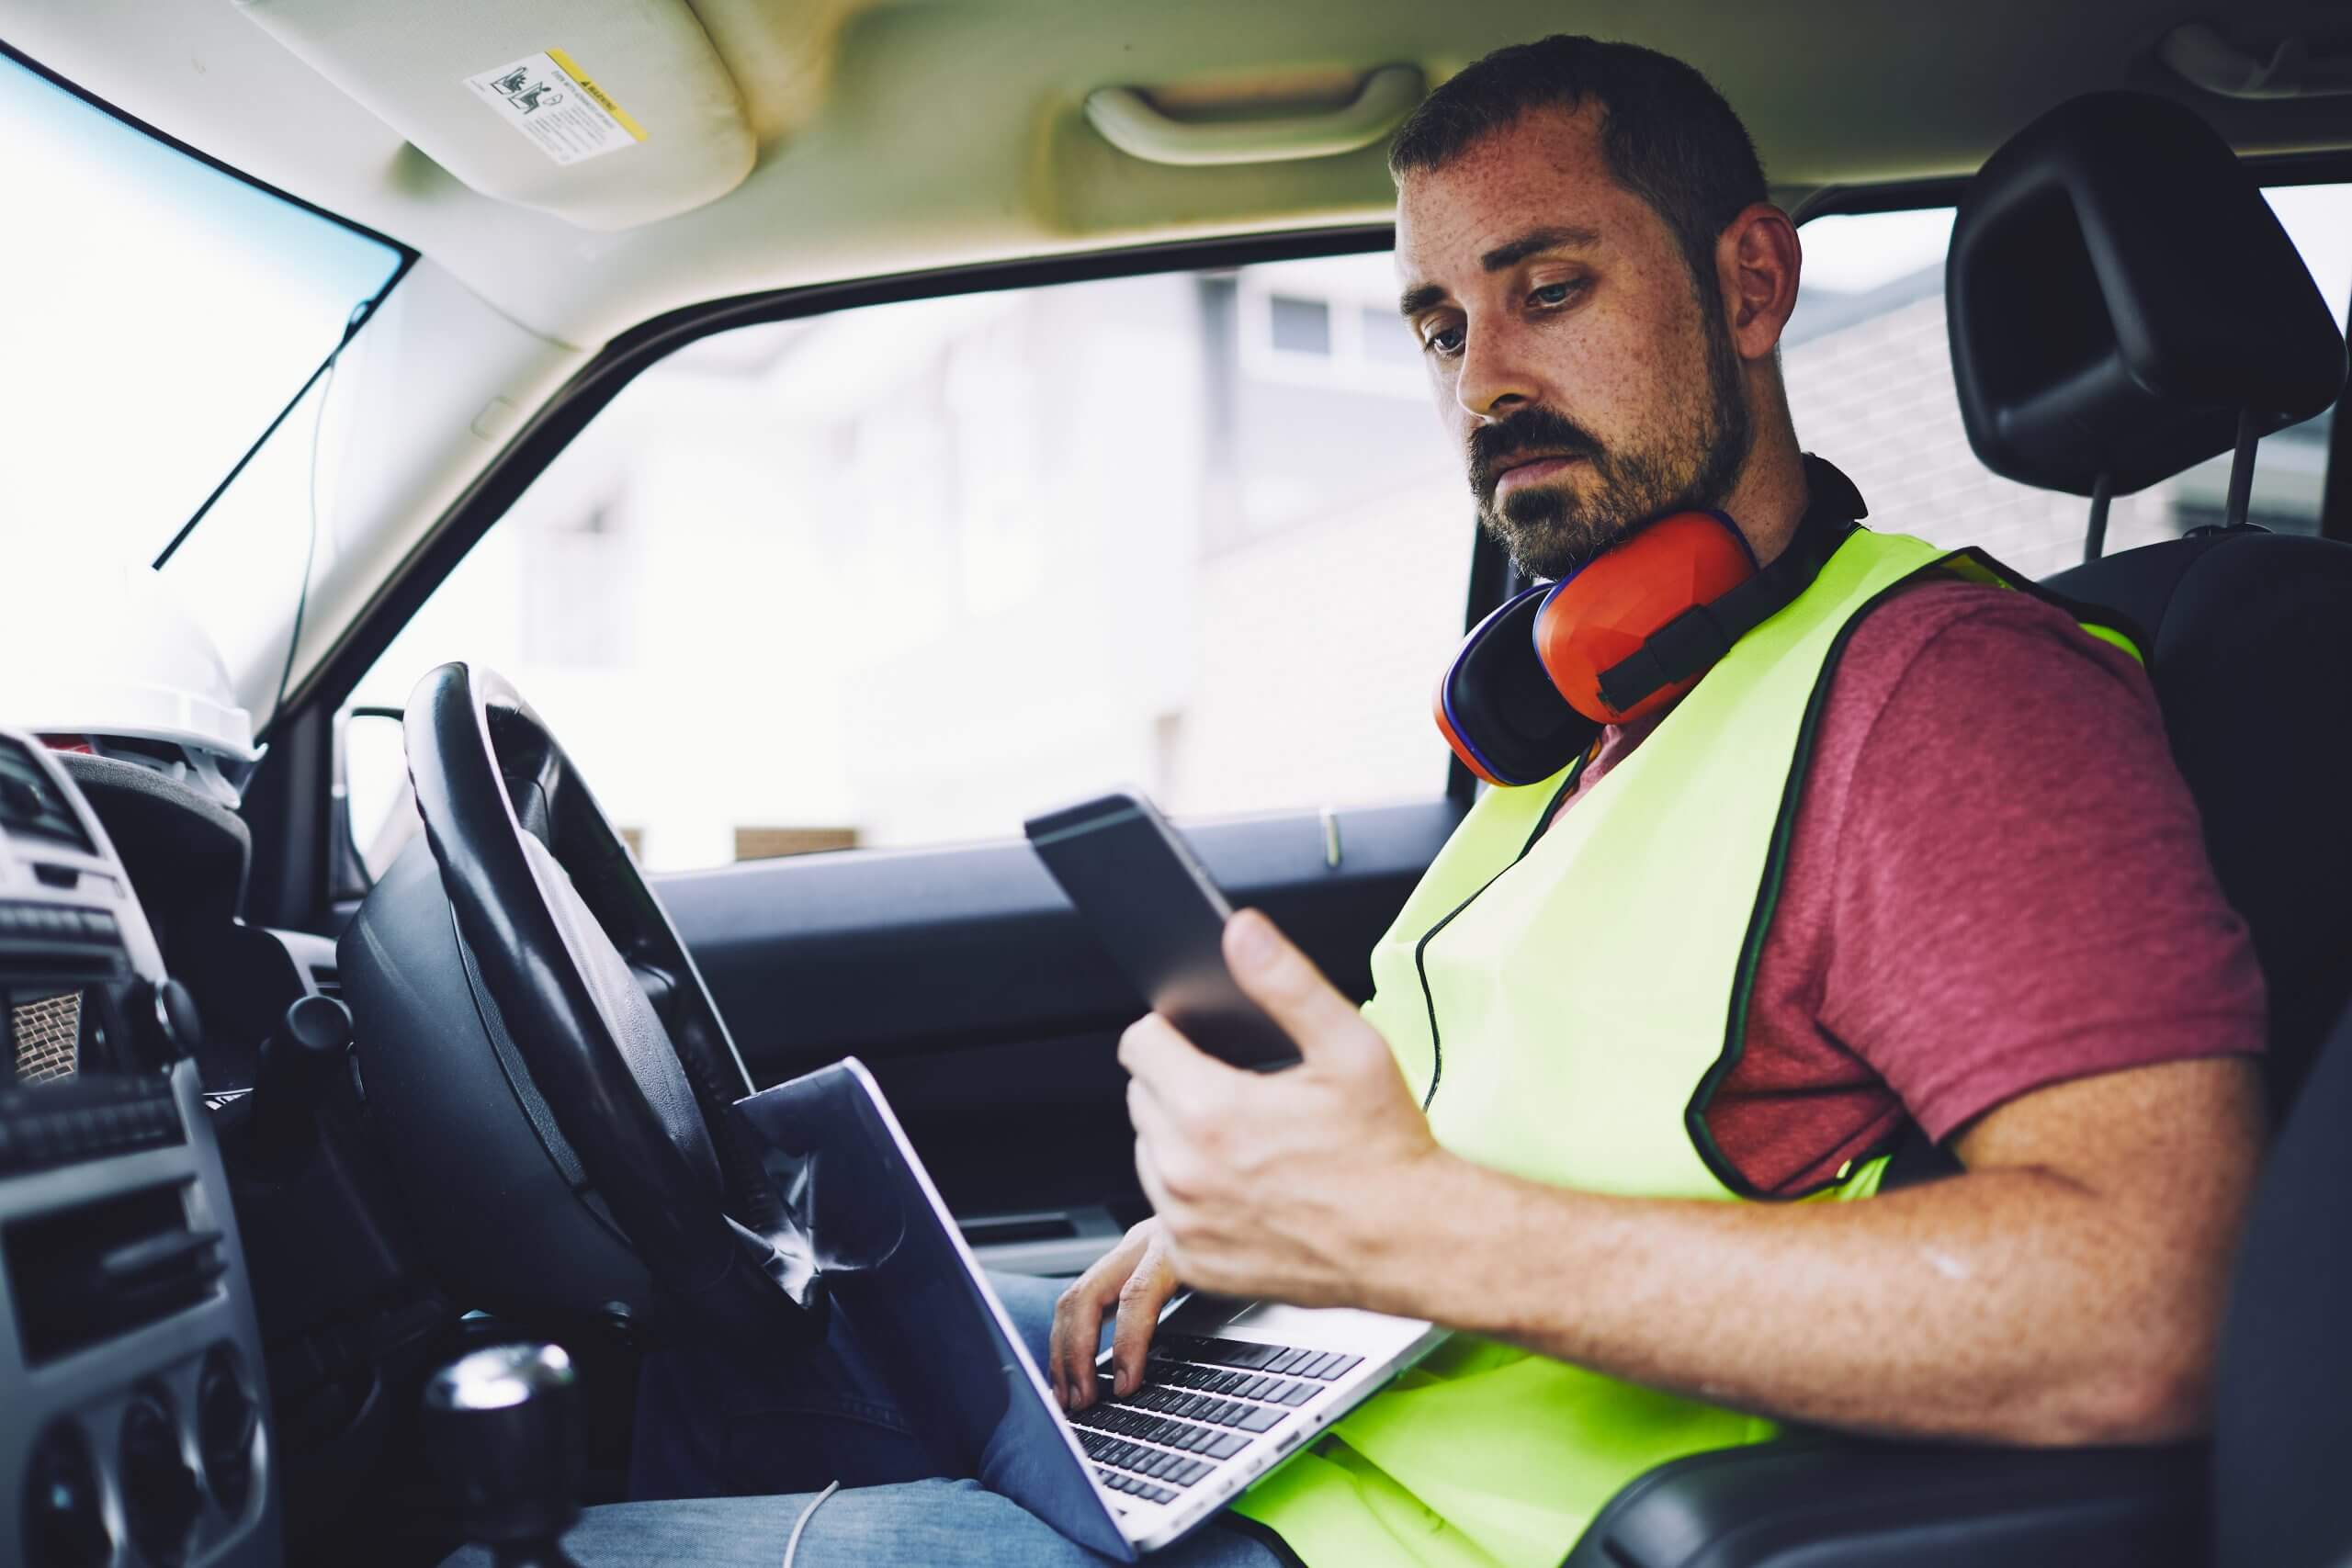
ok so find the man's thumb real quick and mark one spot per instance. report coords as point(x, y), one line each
point(1283, 980)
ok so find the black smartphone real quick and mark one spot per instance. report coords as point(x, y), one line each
point(1162, 920)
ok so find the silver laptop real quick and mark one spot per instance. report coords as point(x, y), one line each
point(1232, 1388)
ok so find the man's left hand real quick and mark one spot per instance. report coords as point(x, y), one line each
point(1295, 1184)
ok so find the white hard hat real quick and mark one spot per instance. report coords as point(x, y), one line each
point(117, 667)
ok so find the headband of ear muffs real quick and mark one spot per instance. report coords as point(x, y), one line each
point(1626, 634)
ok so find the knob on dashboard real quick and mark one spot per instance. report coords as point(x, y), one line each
point(164, 1023)
point(65, 1524)
point(502, 1429)
point(296, 1067)
point(160, 1494)
point(225, 1419)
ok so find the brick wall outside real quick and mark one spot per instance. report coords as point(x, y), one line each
point(1318, 649)
point(1876, 399)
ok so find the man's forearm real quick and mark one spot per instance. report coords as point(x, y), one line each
point(2007, 1304)
point(2068, 1289)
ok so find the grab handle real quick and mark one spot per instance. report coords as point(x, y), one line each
point(1130, 122)
point(2203, 58)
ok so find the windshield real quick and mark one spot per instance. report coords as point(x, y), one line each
point(160, 315)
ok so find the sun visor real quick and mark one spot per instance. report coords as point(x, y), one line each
point(604, 113)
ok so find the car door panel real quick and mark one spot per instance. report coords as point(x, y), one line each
point(969, 985)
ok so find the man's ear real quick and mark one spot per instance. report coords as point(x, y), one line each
point(1757, 259)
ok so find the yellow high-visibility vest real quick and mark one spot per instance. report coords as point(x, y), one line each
point(1567, 1000)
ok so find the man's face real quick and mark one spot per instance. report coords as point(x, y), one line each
point(1591, 379)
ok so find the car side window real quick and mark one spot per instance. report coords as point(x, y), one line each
point(908, 574)
point(1867, 364)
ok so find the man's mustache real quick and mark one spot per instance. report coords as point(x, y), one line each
point(1532, 429)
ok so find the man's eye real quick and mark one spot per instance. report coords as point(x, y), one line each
point(1445, 340)
point(1554, 293)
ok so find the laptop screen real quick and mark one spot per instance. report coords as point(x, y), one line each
point(905, 1288)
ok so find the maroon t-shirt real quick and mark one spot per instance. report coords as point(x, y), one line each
point(1996, 883)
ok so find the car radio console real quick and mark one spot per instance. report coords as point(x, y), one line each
point(135, 1432)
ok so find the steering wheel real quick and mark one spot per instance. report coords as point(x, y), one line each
point(605, 1008)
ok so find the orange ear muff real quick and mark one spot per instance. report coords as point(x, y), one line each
point(1497, 708)
point(1593, 620)
point(1630, 632)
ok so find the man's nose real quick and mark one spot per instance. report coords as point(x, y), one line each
point(1496, 376)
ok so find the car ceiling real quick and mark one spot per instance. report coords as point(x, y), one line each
point(891, 135)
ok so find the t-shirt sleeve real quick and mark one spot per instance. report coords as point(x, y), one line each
point(2022, 891)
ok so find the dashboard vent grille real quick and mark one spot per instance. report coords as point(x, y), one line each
point(31, 804)
point(328, 981)
point(48, 1034)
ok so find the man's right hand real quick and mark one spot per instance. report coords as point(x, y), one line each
point(1134, 1275)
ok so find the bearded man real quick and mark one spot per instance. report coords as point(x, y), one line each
point(1606, 1057)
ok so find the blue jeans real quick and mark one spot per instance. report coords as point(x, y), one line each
point(734, 1457)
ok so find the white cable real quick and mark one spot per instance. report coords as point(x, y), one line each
point(802, 1522)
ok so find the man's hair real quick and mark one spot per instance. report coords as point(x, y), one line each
point(1667, 135)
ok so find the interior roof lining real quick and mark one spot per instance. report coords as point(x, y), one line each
point(2329, 165)
point(1861, 95)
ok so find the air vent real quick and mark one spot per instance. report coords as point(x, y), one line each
point(88, 1273)
point(30, 803)
point(1006, 1229)
point(326, 980)
point(48, 1034)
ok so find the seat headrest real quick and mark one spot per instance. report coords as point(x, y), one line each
point(2118, 291)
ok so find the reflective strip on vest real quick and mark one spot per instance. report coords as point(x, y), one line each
point(1567, 1000)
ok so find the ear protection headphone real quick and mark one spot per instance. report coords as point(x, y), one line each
point(1625, 634)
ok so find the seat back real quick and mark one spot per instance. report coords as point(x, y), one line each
point(2282, 1434)
point(2122, 305)
point(2249, 646)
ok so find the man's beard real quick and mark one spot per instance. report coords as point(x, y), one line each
point(1551, 530)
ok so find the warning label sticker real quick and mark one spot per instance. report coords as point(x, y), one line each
point(554, 103)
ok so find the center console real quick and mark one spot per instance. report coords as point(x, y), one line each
point(133, 1431)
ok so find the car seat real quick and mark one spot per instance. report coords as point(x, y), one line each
point(2124, 304)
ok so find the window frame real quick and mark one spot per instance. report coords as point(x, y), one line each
point(291, 875)
point(2329, 166)
point(551, 428)
point(293, 881)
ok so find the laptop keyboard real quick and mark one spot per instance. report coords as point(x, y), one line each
point(1202, 1401)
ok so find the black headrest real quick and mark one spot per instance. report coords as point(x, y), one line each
point(2118, 292)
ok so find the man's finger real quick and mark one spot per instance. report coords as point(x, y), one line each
point(1146, 1291)
point(1078, 1358)
point(1077, 1335)
point(1184, 1077)
point(1148, 1116)
point(1147, 1178)
point(1279, 979)
point(1055, 1340)
point(1075, 1304)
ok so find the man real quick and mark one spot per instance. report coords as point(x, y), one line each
point(1993, 919)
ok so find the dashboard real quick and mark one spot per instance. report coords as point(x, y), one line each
point(203, 1309)
point(131, 1361)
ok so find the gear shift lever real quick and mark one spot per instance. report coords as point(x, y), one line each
point(291, 1080)
point(502, 1429)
